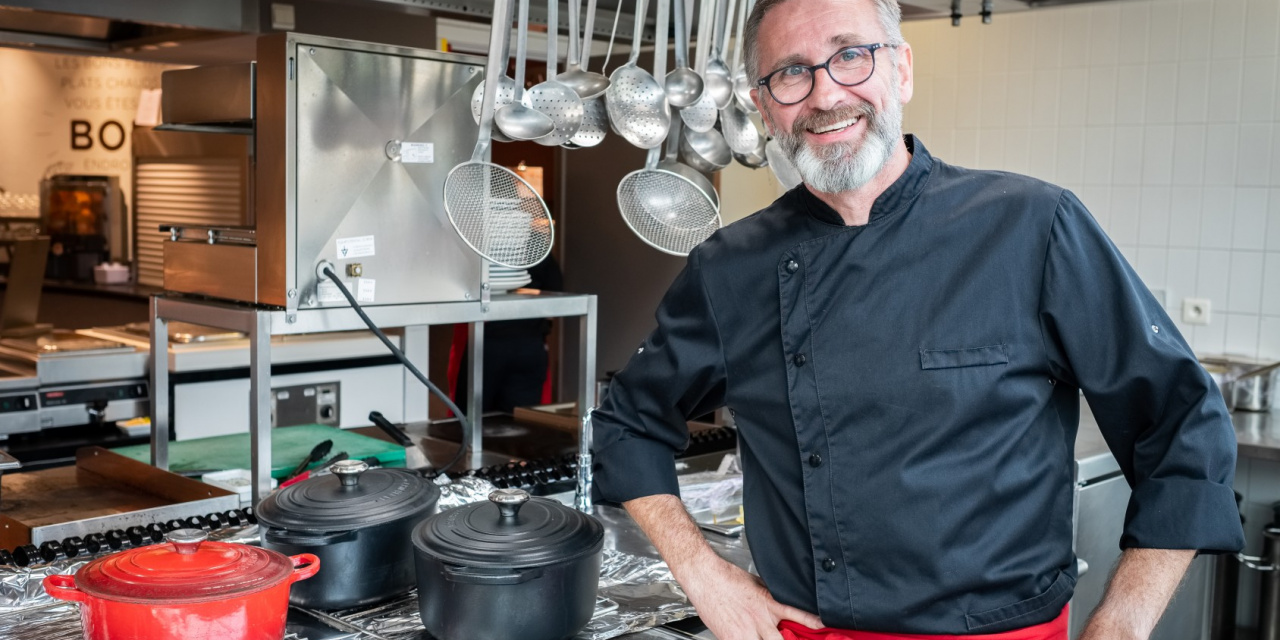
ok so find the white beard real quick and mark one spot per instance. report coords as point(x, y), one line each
point(846, 166)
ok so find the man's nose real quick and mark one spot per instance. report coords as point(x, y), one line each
point(827, 93)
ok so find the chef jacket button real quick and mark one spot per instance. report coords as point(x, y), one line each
point(828, 565)
point(815, 460)
point(799, 359)
point(792, 266)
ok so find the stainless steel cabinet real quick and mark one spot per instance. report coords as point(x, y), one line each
point(1099, 522)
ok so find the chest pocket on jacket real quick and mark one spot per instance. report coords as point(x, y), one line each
point(955, 358)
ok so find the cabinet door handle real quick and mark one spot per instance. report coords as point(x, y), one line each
point(1082, 567)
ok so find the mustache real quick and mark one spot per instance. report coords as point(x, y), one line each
point(823, 119)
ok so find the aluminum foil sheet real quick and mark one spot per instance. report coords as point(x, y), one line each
point(636, 593)
point(455, 492)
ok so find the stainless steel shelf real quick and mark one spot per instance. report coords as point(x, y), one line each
point(261, 323)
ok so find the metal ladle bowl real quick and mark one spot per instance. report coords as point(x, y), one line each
point(518, 120)
point(705, 151)
point(754, 159)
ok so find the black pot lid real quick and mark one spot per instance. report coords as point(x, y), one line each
point(510, 529)
point(353, 496)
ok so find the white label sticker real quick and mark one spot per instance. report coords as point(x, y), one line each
point(327, 291)
point(349, 248)
point(365, 289)
point(417, 152)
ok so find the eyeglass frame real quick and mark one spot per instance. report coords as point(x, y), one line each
point(813, 71)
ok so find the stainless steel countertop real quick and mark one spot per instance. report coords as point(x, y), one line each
point(1257, 436)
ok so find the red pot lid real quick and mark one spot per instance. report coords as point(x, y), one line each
point(184, 569)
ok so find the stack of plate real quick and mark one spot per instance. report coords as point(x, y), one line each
point(506, 278)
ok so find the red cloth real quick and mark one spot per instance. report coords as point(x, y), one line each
point(1055, 629)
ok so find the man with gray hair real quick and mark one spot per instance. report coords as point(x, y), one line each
point(903, 344)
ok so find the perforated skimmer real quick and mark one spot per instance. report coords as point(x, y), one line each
point(637, 103)
point(493, 210)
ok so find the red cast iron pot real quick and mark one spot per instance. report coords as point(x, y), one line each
point(187, 587)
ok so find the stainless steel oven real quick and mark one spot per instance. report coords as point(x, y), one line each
point(352, 143)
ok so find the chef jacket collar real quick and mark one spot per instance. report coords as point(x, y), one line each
point(901, 192)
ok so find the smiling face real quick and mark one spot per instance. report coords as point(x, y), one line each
point(838, 137)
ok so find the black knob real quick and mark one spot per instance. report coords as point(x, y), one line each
point(136, 535)
point(247, 515)
point(74, 546)
point(51, 550)
point(174, 524)
point(115, 538)
point(156, 531)
point(26, 555)
point(216, 521)
point(196, 522)
point(326, 412)
point(94, 542)
point(6, 557)
point(233, 518)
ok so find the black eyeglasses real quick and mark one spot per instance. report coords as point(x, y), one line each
point(850, 66)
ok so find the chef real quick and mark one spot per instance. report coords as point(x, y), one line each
point(902, 343)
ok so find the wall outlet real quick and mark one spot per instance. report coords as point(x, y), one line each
point(1196, 311)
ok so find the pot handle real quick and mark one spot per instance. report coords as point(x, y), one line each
point(63, 587)
point(275, 536)
point(305, 565)
point(460, 574)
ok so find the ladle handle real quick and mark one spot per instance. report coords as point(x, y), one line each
point(682, 36)
point(737, 44)
point(522, 48)
point(661, 28)
point(722, 26)
point(553, 37)
point(499, 38)
point(588, 36)
point(574, 57)
point(706, 34)
point(637, 30)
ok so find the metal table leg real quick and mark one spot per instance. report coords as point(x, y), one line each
point(586, 402)
point(159, 387)
point(260, 404)
point(475, 388)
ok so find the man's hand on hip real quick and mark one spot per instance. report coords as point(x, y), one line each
point(732, 603)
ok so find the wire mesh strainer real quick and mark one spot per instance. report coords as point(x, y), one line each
point(666, 211)
point(493, 210)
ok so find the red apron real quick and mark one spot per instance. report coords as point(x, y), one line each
point(1055, 629)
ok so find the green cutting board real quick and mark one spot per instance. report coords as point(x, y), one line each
point(289, 445)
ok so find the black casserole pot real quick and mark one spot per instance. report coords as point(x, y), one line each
point(358, 521)
point(511, 568)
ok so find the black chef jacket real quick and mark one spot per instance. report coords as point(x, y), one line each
point(906, 395)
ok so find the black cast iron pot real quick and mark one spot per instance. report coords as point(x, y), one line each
point(512, 568)
point(359, 522)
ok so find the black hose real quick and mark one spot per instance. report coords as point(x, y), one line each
point(462, 419)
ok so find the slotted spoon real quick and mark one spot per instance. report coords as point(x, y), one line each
point(637, 103)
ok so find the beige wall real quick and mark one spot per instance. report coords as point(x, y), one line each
point(41, 94)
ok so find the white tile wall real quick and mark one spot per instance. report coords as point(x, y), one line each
point(1162, 115)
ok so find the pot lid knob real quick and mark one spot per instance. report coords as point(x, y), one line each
point(509, 501)
point(348, 471)
point(186, 541)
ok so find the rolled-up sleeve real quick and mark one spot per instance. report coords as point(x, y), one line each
point(1159, 411)
point(677, 373)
